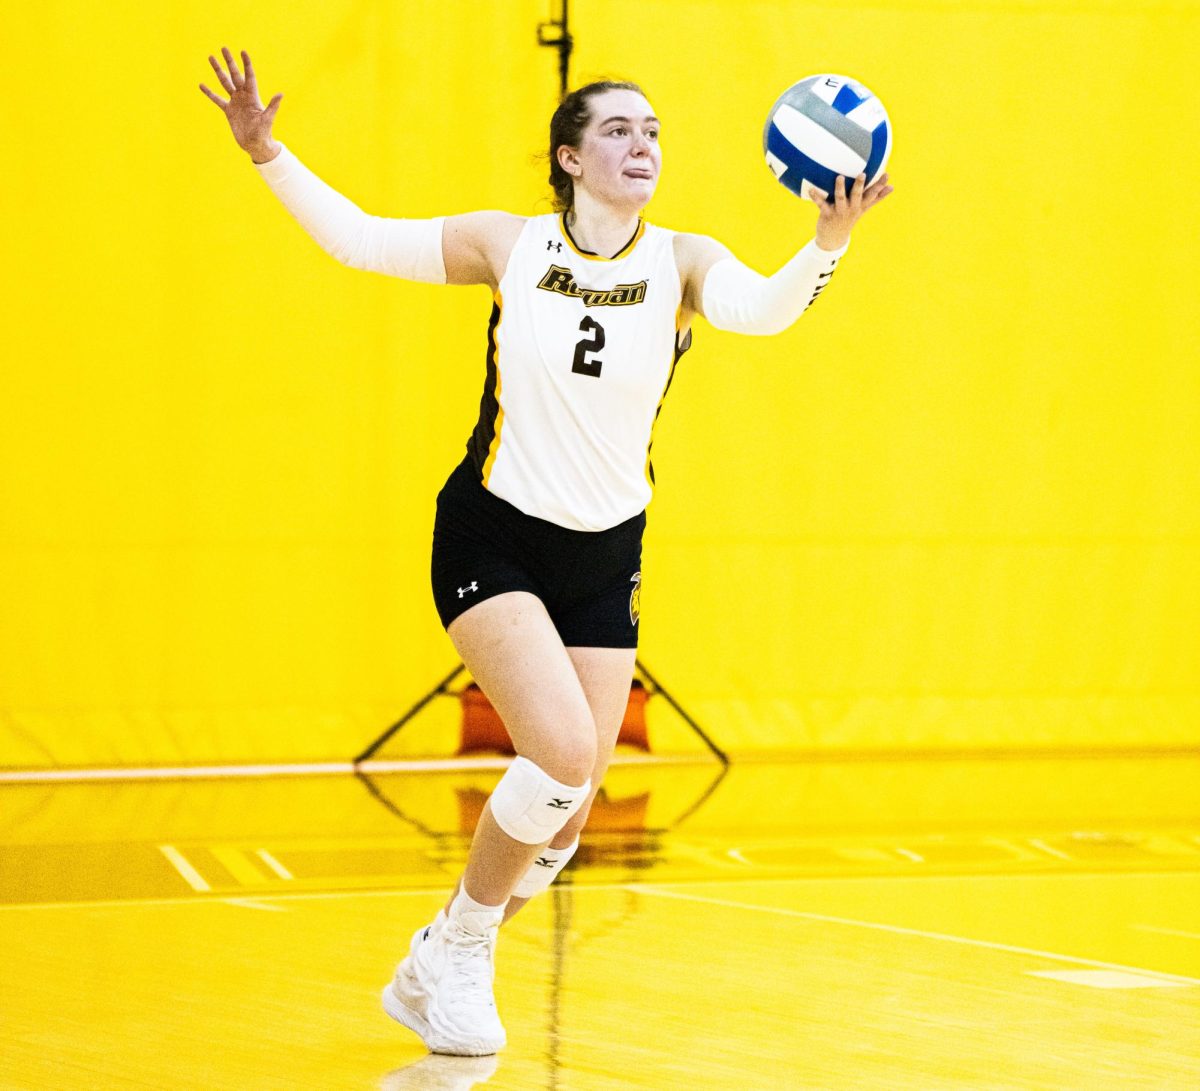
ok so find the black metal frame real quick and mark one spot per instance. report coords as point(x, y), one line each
point(562, 41)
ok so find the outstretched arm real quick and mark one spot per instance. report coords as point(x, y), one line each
point(467, 249)
point(734, 297)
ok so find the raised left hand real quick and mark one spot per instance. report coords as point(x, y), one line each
point(838, 216)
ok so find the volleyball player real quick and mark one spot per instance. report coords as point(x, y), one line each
point(537, 539)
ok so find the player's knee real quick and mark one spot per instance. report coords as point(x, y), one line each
point(570, 756)
point(531, 806)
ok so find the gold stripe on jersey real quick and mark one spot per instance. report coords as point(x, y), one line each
point(648, 469)
point(566, 231)
point(490, 461)
point(562, 281)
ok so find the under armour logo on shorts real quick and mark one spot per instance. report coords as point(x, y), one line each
point(472, 586)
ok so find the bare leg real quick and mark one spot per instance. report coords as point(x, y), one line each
point(442, 989)
point(513, 651)
point(604, 674)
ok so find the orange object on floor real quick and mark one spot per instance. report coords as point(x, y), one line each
point(482, 728)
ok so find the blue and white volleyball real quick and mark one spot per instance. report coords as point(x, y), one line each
point(824, 126)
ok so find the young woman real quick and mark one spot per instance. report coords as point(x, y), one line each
point(537, 538)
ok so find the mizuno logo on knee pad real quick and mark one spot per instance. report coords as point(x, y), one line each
point(543, 870)
point(524, 795)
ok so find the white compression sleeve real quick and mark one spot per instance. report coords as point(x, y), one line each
point(411, 249)
point(737, 298)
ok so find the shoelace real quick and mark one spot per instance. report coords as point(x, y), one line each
point(470, 962)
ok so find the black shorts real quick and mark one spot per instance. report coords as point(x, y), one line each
point(589, 581)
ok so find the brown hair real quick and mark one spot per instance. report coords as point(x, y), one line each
point(566, 127)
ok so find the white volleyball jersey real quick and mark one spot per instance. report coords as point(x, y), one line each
point(581, 350)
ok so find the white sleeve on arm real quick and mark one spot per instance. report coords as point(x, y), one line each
point(737, 298)
point(411, 249)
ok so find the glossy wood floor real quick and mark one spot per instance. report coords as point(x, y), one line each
point(1013, 923)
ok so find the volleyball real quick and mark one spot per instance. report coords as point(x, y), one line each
point(824, 126)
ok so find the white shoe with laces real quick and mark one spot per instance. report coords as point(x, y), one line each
point(443, 989)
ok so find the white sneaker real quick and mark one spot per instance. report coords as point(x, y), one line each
point(404, 999)
point(443, 989)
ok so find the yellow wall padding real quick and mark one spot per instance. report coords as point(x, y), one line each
point(957, 505)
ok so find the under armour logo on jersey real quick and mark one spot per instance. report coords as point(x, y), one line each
point(555, 246)
point(472, 586)
point(559, 804)
point(543, 861)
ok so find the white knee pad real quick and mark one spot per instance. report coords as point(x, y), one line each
point(544, 870)
point(531, 806)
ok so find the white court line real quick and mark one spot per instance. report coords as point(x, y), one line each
point(1043, 847)
point(38, 776)
point(438, 891)
point(1107, 979)
point(274, 865)
point(206, 772)
point(1165, 931)
point(896, 929)
point(194, 879)
point(253, 903)
point(315, 895)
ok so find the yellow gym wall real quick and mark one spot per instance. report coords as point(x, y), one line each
point(956, 506)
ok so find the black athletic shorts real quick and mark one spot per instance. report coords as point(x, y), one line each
point(589, 581)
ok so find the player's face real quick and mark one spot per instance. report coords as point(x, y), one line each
point(619, 154)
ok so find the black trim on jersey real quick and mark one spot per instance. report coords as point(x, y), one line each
point(679, 351)
point(592, 253)
point(480, 442)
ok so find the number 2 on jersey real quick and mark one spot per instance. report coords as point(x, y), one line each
point(582, 365)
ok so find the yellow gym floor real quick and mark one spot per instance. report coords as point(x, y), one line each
point(951, 923)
